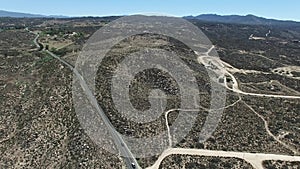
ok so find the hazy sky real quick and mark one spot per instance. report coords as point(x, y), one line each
point(279, 9)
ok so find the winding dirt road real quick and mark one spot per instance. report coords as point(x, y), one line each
point(255, 159)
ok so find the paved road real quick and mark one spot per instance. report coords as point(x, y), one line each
point(255, 159)
point(120, 143)
point(118, 140)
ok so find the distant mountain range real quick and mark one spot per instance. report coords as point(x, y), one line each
point(232, 19)
point(238, 19)
point(27, 15)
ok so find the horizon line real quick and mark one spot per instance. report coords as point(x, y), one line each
point(146, 13)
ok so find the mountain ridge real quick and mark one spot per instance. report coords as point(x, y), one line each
point(4, 13)
point(243, 19)
point(231, 19)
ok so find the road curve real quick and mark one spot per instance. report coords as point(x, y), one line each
point(255, 159)
point(117, 138)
